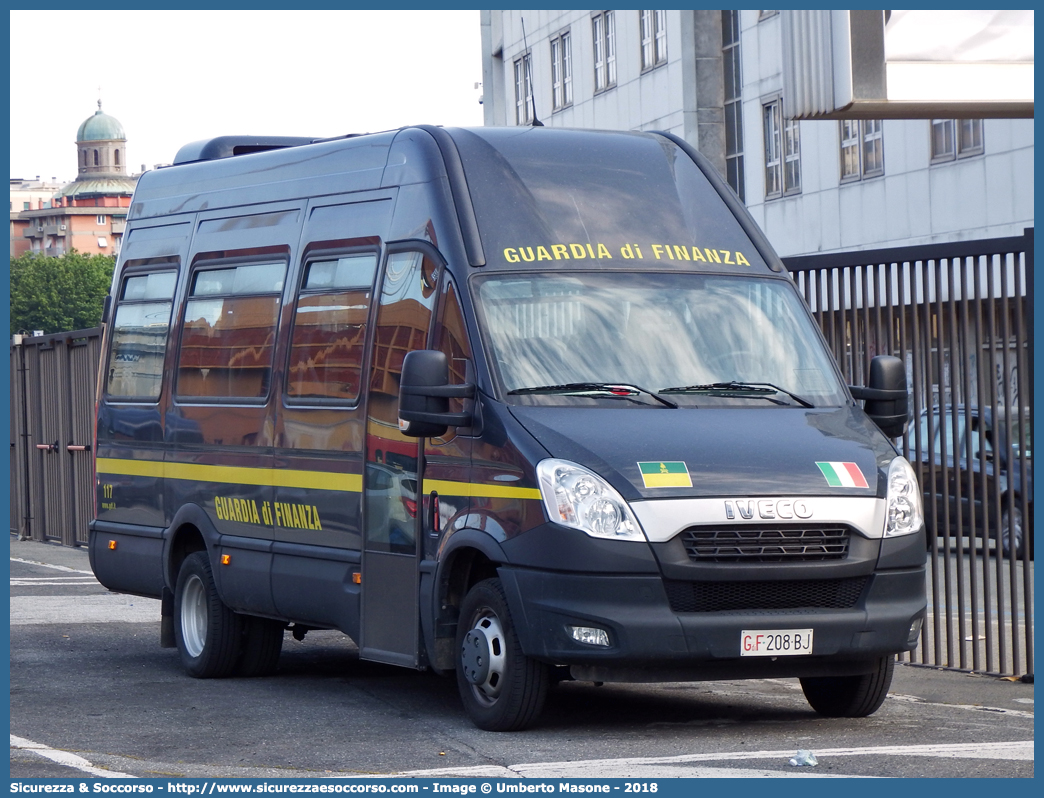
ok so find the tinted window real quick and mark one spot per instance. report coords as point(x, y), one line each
point(326, 348)
point(139, 336)
point(229, 332)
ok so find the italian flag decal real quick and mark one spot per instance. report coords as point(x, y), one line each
point(665, 475)
point(843, 475)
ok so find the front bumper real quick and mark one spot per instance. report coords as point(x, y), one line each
point(646, 636)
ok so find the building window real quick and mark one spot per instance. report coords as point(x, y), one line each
point(95, 157)
point(782, 151)
point(653, 25)
point(960, 138)
point(25, 206)
point(862, 148)
point(562, 70)
point(523, 91)
point(730, 53)
point(116, 155)
point(102, 220)
point(969, 137)
point(603, 27)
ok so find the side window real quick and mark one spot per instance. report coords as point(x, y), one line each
point(229, 332)
point(451, 337)
point(327, 343)
point(139, 337)
point(407, 299)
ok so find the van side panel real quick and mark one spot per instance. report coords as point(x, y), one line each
point(220, 428)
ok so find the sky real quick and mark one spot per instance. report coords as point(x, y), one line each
point(173, 77)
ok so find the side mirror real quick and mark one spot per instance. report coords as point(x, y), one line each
point(886, 398)
point(424, 395)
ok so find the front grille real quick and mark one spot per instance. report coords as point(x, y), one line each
point(766, 543)
point(833, 594)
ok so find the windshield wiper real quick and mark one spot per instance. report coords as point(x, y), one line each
point(733, 387)
point(620, 390)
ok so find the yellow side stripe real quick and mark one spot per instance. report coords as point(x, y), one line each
point(481, 491)
point(285, 478)
point(234, 475)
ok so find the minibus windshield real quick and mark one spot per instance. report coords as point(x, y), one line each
point(635, 338)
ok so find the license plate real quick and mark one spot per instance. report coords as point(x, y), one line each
point(775, 642)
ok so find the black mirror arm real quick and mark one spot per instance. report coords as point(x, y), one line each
point(445, 419)
point(876, 394)
point(465, 391)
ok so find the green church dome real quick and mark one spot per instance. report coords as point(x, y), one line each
point(100, 127)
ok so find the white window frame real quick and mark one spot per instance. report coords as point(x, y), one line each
point(960, 138)
point(782, 138)
point(102, 221)
point(561, 71)
point(652, 26)
point(523, 90)
point(858, 137)
point(603, 31)
point(941, 140)
point(733, 106)
point(975, 147)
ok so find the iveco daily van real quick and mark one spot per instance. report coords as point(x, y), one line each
point(518, 404)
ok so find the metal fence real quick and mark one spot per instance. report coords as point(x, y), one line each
point(961, 317)
point(52, 429)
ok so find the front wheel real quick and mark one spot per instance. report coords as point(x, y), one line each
point(850, 696)
point(208, 633)
point(502, 689)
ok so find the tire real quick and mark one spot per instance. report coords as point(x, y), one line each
point(262, 644)
point(1013, 523)
point(850, 696)
point(502, 689)
point(208, 634)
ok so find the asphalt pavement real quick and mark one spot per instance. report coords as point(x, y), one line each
point(93, 694)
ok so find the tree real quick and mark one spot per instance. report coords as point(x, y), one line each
point(59, 294)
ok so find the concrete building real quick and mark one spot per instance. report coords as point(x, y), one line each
point(715, 78)
point(28, 195)
point(89, 214)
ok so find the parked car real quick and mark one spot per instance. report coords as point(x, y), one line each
point(995, 474)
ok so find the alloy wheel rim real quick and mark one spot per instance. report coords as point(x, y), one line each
point(194, 616)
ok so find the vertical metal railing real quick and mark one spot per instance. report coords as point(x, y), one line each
point(961, 317)
point(52, 428)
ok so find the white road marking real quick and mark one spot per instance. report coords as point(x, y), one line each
point(49, 565)
point(104, 608)
point(977, 707)
point(674, 765)
point(67, 759)
point(53, 581)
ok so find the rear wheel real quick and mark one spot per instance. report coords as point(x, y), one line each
point(208, 633)
point(502, 689)
point(850, 696)
point(262, 644)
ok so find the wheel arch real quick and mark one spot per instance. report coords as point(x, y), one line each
point(468, 557)
point(190, 531)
